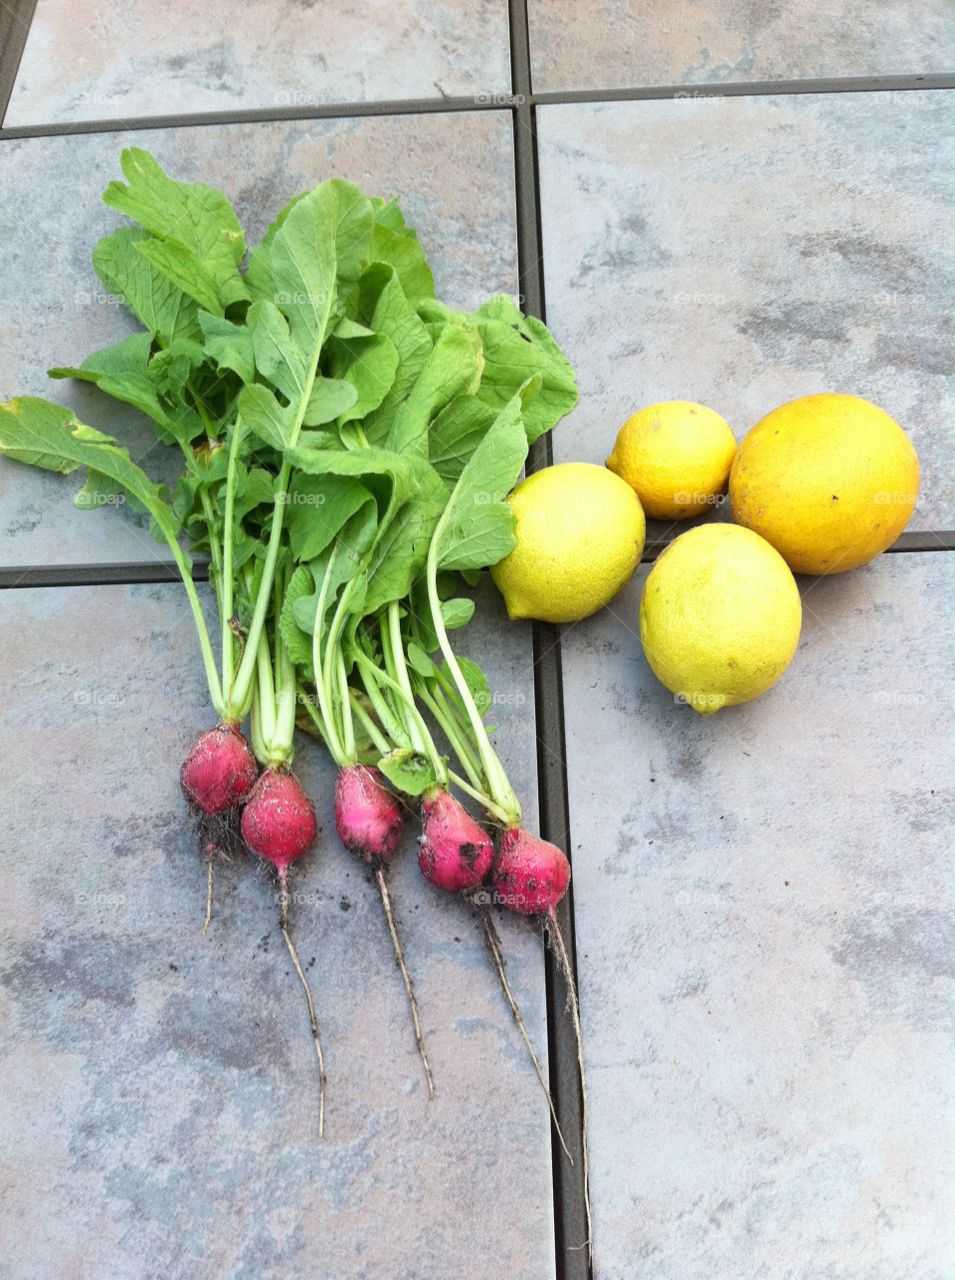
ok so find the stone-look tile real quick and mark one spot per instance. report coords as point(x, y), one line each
point(632, 43)
point(159, 1087)
point(764, 939)
point(454, 175)
point(110, 60)
point(742, 252)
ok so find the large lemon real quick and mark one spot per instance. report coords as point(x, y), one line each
point(719, 617)
point(676, 457)
point(829, 480)
point(580, 532)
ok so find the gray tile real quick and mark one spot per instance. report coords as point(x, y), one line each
point(110, 59)
point(631, 43)
point(454, 175)
point(764, 938)
point(741, 252)
point(159, 1087)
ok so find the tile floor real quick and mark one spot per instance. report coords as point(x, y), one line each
point(762, 900)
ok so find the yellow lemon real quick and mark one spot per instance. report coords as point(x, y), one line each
point(829, 480)
point(580, 534)
point(719, 617)
point(676, 457)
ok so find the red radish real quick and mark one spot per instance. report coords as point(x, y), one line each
point(454, 852)
point(531, 875)
point(217, 774)
point(278, 821)
point(368, 818)
point(278, 824)
point(219, 770)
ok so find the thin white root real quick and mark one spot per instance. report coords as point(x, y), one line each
point(409, 985)
point(493, 943)
point(312, 1016)
point(573, 1005)
point(210, 856)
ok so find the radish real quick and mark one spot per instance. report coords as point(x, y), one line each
point(278, 821)
point(219, 770)
point(217, 774)
point(368, 818)
point(454, 853)
point(531, 875)
point(278, 824)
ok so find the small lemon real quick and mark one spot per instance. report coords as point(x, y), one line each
point(829, 480)
point(720, 616)
point(676, 457)
point(580, 534)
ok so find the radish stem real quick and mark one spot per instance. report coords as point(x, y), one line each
point(409, 985)
point(391, 633)
point(321, 688)
point(381, 743)
point(228, 641)
point(498, 785)
point(451, 732)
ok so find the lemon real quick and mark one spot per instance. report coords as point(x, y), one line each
point(580, 534)
point(676, 457)
point(829, 480)
point(719, 617)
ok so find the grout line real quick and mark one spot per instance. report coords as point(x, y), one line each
point(570, 1230)
point(267, 115)
point(519, 102)
point(15, 19)
point(912, 540)
point(96, 575)
point(747, 89)
point(129, 573)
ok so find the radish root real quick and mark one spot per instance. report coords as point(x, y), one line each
point(210, 858)
point(312, 1017)
point(493, 943)
point(573, 1006)
point(409, 985)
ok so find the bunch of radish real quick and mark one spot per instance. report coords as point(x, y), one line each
point(348, 443)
